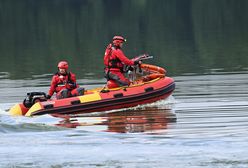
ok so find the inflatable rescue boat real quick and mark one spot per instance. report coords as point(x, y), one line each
point(149, 85)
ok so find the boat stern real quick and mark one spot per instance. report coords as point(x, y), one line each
point(37, 106)
point(18, 110)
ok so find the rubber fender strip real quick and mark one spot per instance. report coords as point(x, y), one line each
point(118, 95)
point(149, 89)
point(75, 102)
point(48, 106)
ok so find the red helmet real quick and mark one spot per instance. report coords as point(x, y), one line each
point(117, 40)
point(63, 65)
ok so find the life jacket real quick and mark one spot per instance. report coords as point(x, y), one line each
point(60, 82)
point(66, 82)
point(111, 61)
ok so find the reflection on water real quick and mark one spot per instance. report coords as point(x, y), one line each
point(146, 119)
point(143, 120)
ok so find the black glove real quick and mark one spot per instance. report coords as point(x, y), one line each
point(137, 62)
point(130, 68)
point(72, 85)
point(48, 96)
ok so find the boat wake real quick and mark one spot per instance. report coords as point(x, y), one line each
point(10, 124)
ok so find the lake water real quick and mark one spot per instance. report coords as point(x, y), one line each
point(203, 44)
point(204, 124)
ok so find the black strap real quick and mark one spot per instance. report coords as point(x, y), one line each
point(69, 77)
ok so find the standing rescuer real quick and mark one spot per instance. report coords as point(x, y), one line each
point(114, 60)
point(64, 83)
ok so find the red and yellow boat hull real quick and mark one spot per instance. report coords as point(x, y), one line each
point(100, 99)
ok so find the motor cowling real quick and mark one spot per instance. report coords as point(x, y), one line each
point(33, 97)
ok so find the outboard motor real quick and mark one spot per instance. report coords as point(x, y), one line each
point(33, 97)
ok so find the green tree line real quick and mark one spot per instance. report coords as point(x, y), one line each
point(184, 36)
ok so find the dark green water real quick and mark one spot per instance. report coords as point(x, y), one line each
point(190, 36)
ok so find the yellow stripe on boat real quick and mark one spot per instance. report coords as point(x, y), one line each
point(16, 110)
point(34, 108)
point(90, 97)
